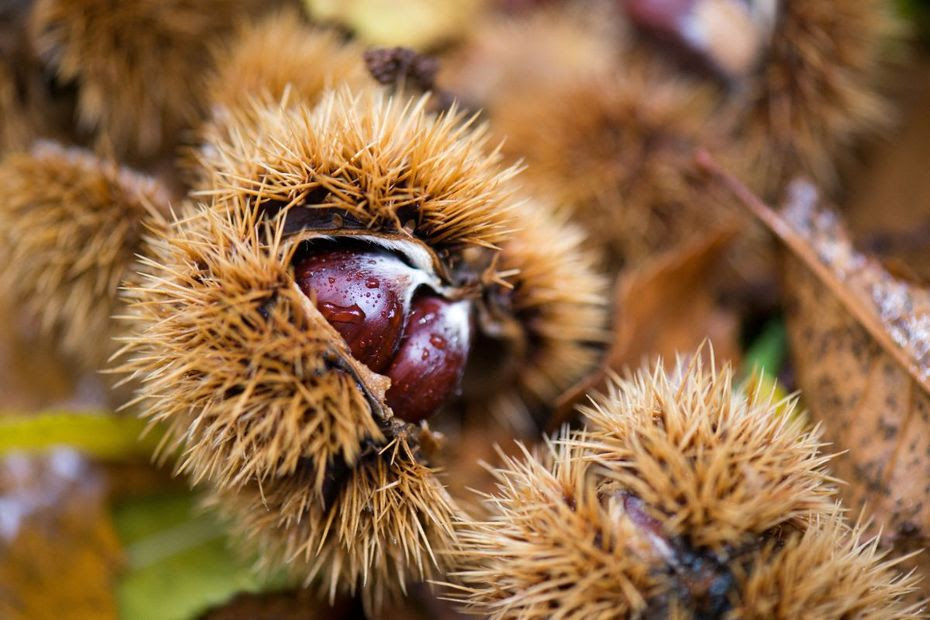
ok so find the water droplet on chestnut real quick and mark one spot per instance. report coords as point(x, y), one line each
point(423, 373)
point(341, 280)
point(417, 338)
point(342, 314)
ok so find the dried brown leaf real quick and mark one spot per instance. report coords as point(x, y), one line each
point(860, 339)
point(58, 550)
point(663, 308)
point(668, 307)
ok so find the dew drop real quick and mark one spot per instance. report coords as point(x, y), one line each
point(342, 314)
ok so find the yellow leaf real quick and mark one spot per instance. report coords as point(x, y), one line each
point(103, 435)
point(419, 24)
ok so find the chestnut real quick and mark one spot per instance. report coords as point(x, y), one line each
point(361, 233)
point(431, 360)
point(725, 36)
point(367, 294)
point(684, 496)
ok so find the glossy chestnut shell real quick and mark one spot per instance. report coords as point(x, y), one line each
point(392, 321)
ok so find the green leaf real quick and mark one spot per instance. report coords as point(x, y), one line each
point(179, 562)
point(767, 353)
point(918, 13)
point(763, 361)
point(103, 435)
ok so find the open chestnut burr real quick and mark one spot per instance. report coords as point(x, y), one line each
point(351, 264)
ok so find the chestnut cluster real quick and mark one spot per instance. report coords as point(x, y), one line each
point(296, 331)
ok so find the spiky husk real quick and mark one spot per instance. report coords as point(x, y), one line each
point(249, 376)
point(262, 395)
point(382, 161)
point(559, 297)
point(280, 53)
point(547, 532)
point(72, 225)
point(138, 65)
point(818, 90)
point(388, 523)
point(618, 148)
point(250, 379)
point(716, 466)
point(280, 59)
point(682, 498)
point(393, 168)
point(828, 571)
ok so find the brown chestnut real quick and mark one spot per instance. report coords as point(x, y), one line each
point(421, 343)
point(365, 294)
point(431, 360)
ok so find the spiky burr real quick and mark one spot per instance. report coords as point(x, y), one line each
point(72, 225)
point(818, 91)
point(138, 66)
point(682, 498)
point(276, 399)
point(617, 150)
point(278, 54)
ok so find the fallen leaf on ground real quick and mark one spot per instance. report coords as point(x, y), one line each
point(419, 24)
point(664, 308)
point(58, 552)
point(100, 434)
point(178, 561)
point(860, 340)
